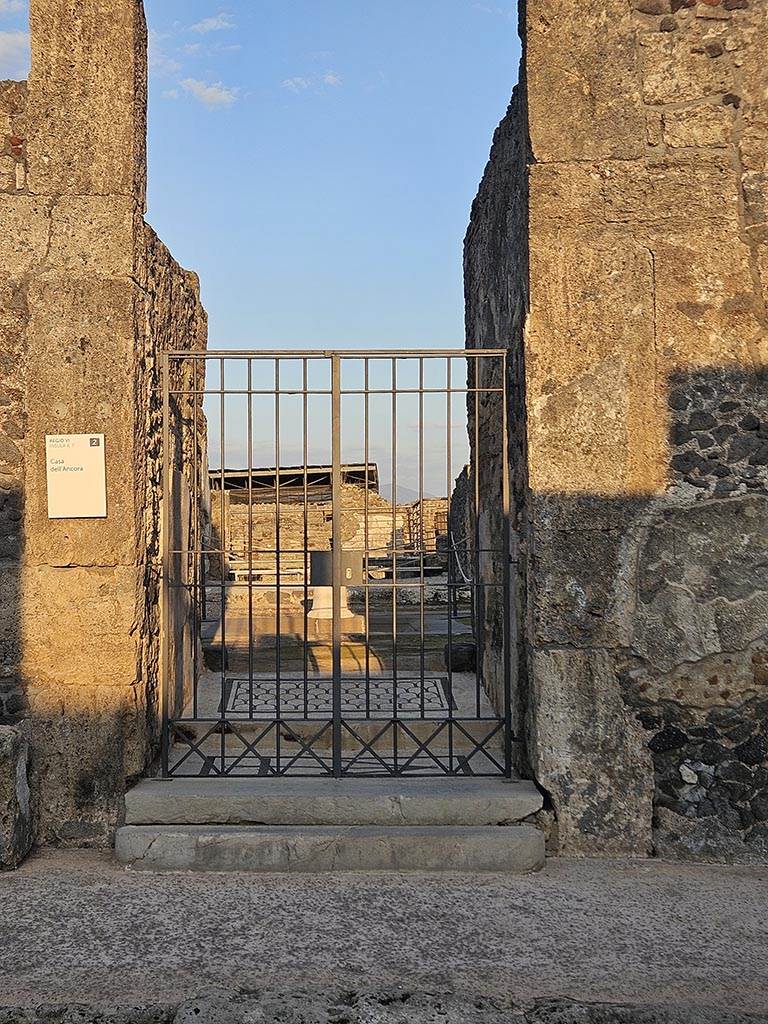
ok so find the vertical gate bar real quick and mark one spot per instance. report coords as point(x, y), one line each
point(196, 542)
point(479, 594)
point(250, 537)
point(305, 446)
point(278, 592)
point(202, 365)
point(223, 543)
point(367, 543)
point(395, 735)
point(509, 608)
point(448, 482)
point(166, 593)
point(336, 556)
point(421, 538)
point(200, 397)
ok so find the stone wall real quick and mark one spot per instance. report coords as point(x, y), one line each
point(496, 291)
point(619, 247)
point(13, 384)
point(88, 297)
point(373, 526)
point(171, 318)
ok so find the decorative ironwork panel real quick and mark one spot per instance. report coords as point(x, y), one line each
point(333, 604)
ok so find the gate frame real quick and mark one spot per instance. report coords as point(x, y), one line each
point(336, 357)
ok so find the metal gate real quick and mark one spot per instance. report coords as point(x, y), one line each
point(336, 564)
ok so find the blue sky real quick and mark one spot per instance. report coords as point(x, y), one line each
point(315, 160)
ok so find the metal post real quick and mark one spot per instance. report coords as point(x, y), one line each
point(448, 487)
point(165, 653)
point(422, 578)
point(507, 560)
point(367, 540)
point(305, 497)
point(395, 547)
point(278, 566)
point(223, 586)
point(249, 445)
point(197, 570)
point(479, 603)
point(336, 556)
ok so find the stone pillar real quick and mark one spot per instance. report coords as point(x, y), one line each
point(638, 145)
point(13, 318)
point(92, 295)
point(80, 594)
point(16, 829)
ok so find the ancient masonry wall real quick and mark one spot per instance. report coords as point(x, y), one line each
point(373, 526)
point(635, 151)
point(496, 291)
point(89, 295)
point(13, 314)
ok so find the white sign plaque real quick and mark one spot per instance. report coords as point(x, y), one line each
point(77, 476)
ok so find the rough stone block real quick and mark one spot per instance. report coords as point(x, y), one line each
point(590, 754)
point(93, 236)
point(16, 828)
point(706, 313)
point(709, 126)
point(87, 96)
point(10, 616)
point(72, 616)
point(566, 193)
point(7, 174)
point(26, 221)
point(574, 113)
point(593, 423)
point(13, 97)
point(674, 72)
point(575, 598)
point(678, 188)
point(88, 740)
point(81, 371)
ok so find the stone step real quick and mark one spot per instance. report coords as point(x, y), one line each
point(516, 849)
point(349, 801)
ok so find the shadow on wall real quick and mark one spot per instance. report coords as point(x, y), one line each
point(12, 703)
point(16, 826)
point(646, 641)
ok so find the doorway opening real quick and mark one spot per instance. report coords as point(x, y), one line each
point(334, 602)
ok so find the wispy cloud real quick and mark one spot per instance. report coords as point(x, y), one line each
point(300, 83)
point(212, 95)
point(14, 54)
point(295, 84)
point(216, 24)
point(171, 94)
point(11, 6)
point(159, 61)
point(500, 12)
